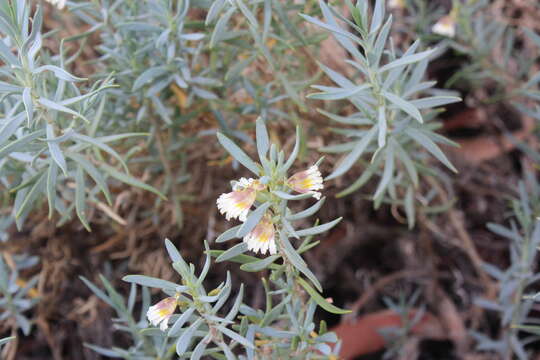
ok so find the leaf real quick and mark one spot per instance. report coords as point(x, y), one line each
point(263, 142)
point(430, 146)
point(320, 300)
point(148, 75)
point(294, 153)
point(182, 319)
point(404, 105)
point(11, 124)
point(185, 339)
point(150, 282)
point(334, 29)
point(319, 229)
point(59, 73)
point(286, 196)
point(406, 60)
point(297, 261)
point(260, 264)
point(214, 10)
point(238, 153)
point(382, 127)
point(130, 180)
point(409, 207)
point(247, 13)
point(20, 143)
point(387, 173)
point(55, 150)
point(353, 156)
point(80, 197)
point(434, 101)
point(330, 93)
point(31, 196)
point(228, 234)
point(6, 340)
point(94, 174)
point(28, 105)
point(173, 252)
point(55, 106)
point(307, 212)
point(253, 219)
point(378, 16)
point(52, 174)
point(232, 252)
point(236, 337)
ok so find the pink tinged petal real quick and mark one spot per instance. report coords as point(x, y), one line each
point(236, 204)
point(162, 311)
point(307, 181)
point(262, 237)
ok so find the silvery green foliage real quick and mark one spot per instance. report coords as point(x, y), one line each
point(397, 337)
point(49, 122)
point(492, 49)
point(15, 299)
point(392, 124)
point(173, 67)
point(145, 343)
point(151, 46)
point(239, 30)
point(285, 328)
point(513, 304)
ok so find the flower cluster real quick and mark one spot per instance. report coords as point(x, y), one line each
point(237, 204)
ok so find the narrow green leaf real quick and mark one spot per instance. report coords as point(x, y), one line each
point(406, 60)
point(80, 197)
point(130, 180)
point(319, 229)
point(150, 282)
point(382, 127)
point(263, 142)
point(353, 156)
point(404, 105)
point(238, 153)
point(253, 219)
point(93, 172)
point(260, 264)
point(236, 250)
point(430, 146)
point(322, 302)
point(228, 234)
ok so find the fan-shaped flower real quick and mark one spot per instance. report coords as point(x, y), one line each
point(237, 203)
point(160, 313)
point(262, 237)
point(60, 4)
point(446, 26)
point(307, 181)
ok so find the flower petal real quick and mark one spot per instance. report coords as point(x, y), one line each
point(262, 237)
point(162, 311)
point(307, 181)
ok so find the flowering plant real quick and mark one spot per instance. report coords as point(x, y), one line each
point(284, 330)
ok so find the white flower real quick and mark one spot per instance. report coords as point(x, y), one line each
point(446, 26)
point(237, 203)
point(396, 4)
point(262, 237)
point(307, 181)
point(60, 4)
point(161, 312)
